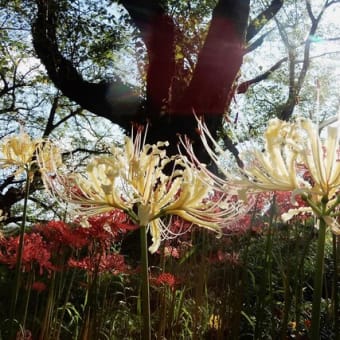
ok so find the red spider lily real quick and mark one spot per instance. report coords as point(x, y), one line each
point(35, 252)
point(109, 225)
point(171, 251)
point(283, 200)
point(58, 234)
point(24, 335)
point(38, 286)
point(113, 263)
point(222, 257)
point(165, 279)
point(101, 227)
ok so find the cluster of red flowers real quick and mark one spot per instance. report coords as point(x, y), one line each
point(222, 257)
point(113, 263)
point(36, 253)
point(49, 243)
point(165, 280)
point(59, 234)
point(284, 202)
point(38, 286)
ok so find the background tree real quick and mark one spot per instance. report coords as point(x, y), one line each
point(211, 83)
point(155, 61)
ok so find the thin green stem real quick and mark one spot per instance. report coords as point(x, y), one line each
point(318, 279)
point(336, 285)
point(63, 310)
point(20, 251)
point(146, 315)
point(265, 283)
point(28, 295)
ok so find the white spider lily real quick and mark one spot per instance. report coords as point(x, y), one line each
point(275, 169)
point(133, 179)
point(287, 216)
point(23, 152)
point(18, 151)
point(321, 159)
point(293, 152)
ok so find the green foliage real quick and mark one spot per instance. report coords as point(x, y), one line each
point(263, 285)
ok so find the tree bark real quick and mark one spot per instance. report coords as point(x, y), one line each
point(208, 93)
point(219, 61)
point(115, 101)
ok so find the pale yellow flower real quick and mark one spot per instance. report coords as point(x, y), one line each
point(291, 151)
point(295, 159)
point(321, 158)
point(3, 216)
point(22, 152)
point(133, 179)
point(320, 161)
point(49, 160)
point(278, 167)
point(274, 168)
point(17, 151)
point(295, 150)
point(48, 156)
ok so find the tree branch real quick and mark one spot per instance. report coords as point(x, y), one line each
point(49, 125)
point(158, 33)
point(258, 42)
point(219, 60)
point(243, 87)
point(261, 20)
point(296, 85)
point(113, 100)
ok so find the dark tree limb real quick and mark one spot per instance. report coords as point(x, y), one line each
point(209, 92)
point(11, 196)
point(257, 43)
point(158, 33)
point(49, 125)
point(296, 81)
point(219, 60)
point(262, 19)
point(231, 146)
point(243, 87)
point(105, 99)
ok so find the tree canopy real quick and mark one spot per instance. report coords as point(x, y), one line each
point(65, 65)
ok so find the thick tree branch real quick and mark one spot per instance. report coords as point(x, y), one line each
point(111, 100)
point(261, 20)
point(243, 87)
point(158, 33)
point(49, 125)
point(219, 60)
point(258, 42)
point(295, 85)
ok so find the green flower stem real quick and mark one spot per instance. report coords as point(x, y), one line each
point(333, 206)
point(16, 286)
point(318, 279)
point(336, 284)
point(146, 317)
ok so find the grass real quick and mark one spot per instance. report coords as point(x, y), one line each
point(253, 284)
